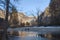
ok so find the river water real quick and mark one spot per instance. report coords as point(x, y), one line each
point(23, 35)
point(32, 33)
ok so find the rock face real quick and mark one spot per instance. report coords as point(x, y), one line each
point(45, 17)
point(51, 15)
point(25, 19)
point(20, 17)
point(55, 12)
point(2, 14)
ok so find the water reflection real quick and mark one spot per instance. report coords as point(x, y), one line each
point(23, 35)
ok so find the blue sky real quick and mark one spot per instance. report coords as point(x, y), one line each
point(28, 5)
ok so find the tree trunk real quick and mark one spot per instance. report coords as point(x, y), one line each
point(7, 10)
point(6, 18)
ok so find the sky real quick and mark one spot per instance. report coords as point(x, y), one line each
point(31, 6)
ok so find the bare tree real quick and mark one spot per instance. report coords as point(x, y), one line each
point(38, 15)
point(6, 4)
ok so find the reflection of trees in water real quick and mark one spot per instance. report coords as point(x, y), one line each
point(50, 36)
point(15, 33)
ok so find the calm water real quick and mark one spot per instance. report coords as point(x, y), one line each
point(28, 35)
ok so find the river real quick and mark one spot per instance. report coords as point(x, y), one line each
point(28, 35)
